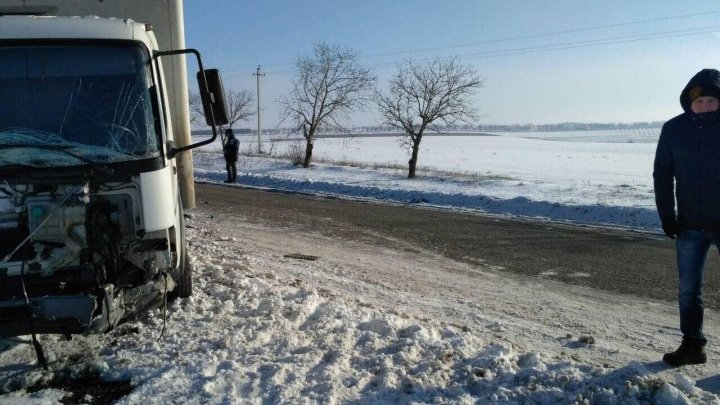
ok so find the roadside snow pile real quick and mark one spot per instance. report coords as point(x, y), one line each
point(249, 336)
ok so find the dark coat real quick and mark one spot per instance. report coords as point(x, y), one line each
point(688, 158)
point(231, 148)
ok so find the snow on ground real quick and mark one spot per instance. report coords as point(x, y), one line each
point(261, 328)
point(579, 179)
point(264, 328)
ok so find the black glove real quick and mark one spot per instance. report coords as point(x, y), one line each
point(670, 227)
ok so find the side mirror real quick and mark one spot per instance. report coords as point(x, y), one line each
point(212, 94)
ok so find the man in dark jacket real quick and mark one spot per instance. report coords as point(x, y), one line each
point(230, 151)
point(687, 170)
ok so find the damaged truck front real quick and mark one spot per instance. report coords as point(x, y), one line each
point(91, 213)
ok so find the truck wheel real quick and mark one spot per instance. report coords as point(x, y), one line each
point(184, 279)
point(183, 275)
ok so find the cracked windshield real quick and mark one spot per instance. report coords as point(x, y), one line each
point(67, 105)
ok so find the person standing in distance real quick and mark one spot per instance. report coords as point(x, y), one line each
point(230, 151)
point(687, 172)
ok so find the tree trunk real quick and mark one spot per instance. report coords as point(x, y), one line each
point(413, 160)
point(308, 153)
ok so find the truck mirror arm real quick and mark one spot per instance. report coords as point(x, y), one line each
point(207, 94)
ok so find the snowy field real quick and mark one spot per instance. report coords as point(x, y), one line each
point(418, 329)
point(593, 177)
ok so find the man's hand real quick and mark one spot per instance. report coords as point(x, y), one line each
point(670, 227)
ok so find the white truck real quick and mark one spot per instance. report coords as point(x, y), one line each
point(94, 171)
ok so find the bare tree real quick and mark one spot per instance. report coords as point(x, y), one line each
point(197, 115)
point(240, 106)
point(422, 96)
point(329, 85)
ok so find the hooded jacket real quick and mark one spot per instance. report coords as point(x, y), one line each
point(687, 162)
point(231, 148)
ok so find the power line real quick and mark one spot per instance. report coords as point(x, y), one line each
point(545, 48)
point(547, 34)
point(579, 44)
point(592, 43)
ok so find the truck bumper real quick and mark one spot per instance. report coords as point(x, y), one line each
point(50, 314)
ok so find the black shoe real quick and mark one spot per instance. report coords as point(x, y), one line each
point(689, 352)
point(228, 181)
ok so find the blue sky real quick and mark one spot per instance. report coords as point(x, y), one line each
point(542, 61)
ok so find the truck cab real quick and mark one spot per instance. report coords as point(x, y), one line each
point(91, 206)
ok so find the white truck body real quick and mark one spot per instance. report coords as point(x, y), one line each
point(166, 18)
point(91, 186)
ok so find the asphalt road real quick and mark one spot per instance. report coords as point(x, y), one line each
point(626, 262)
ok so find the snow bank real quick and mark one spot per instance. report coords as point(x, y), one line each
point(250, 336)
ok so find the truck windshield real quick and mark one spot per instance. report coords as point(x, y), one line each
point(91, 101)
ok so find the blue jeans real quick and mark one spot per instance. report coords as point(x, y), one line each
point(692, 247)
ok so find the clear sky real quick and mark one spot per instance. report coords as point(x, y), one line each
point(542, 61)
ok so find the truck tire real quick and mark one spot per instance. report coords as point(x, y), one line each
point(183, 275)
point(183, 288)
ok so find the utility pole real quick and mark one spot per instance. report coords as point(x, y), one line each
point(259, 129)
